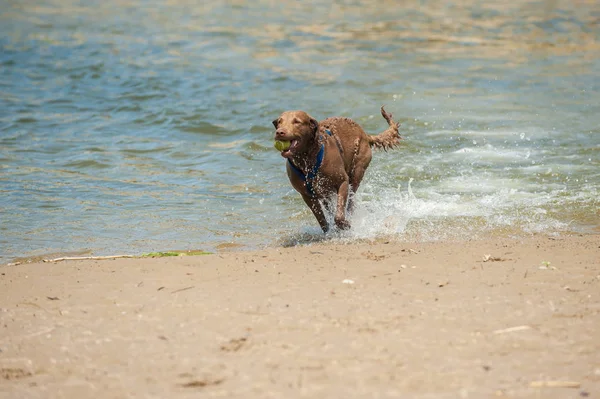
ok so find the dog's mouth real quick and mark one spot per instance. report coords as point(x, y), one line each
point(290, 151)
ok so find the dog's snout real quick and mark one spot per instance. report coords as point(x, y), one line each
point(280, 133)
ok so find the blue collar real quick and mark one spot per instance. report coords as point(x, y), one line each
point(308, 179)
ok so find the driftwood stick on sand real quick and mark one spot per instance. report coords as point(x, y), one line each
point(511, 329)
point(182, 289)
point(88, 258)
point(555, 384)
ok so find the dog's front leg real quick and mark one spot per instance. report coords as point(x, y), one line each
point(340, 214)
point(316, 209)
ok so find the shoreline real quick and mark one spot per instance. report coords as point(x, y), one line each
point(300, 241)
point(499, 317)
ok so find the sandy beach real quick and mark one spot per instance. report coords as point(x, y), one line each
point(495, 318)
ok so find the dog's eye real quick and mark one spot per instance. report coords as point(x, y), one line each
point(275, 123)
point(296, 121)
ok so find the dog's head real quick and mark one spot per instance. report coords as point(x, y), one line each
point(299, 128)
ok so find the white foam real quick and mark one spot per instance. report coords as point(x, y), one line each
point(490, 153)
point(480, 184)
point(523, 134)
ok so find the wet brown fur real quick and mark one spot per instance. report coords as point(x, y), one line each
point(347, 156)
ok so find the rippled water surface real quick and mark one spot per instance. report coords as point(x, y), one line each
point(136, 126)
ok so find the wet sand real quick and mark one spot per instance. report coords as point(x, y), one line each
point(495, 318)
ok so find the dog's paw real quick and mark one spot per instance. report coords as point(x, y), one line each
point(342, 224)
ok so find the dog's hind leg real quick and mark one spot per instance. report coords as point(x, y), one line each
point(360, 163)
point(355, 179)
point(342, 200)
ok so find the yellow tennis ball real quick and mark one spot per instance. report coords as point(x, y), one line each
point(282, 145)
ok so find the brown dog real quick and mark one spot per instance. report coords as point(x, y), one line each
point(329, 157)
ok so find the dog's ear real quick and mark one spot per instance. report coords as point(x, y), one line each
point(314, 126)
point(275, 123)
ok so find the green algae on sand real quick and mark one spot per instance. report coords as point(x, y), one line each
point(174, 253)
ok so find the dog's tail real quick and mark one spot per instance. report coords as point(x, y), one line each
point(389, 138)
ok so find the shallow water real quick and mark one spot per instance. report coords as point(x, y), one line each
point(130, 127)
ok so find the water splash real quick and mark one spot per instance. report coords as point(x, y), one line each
point(431, 215)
